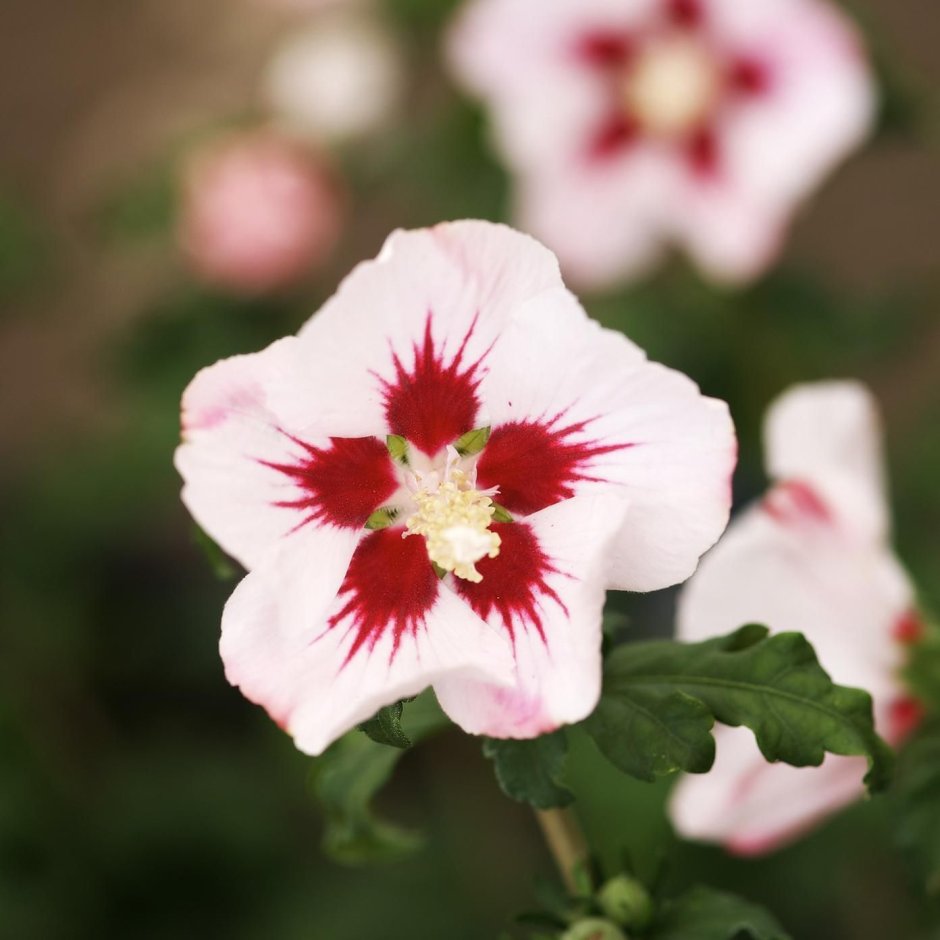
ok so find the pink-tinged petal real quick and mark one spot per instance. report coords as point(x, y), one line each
point(801, 561)
point(606, 218)
point(253, 473)
point(732, 237)
point(830, 433)
point(545, 593)
point(323, 648)
point(583, 411)
point(819, 103)
point(753, 807)
point(407, 336)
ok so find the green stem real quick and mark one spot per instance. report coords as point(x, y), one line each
point(566, 842)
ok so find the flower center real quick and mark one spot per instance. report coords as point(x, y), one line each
point(455, 520)
point(673, 86)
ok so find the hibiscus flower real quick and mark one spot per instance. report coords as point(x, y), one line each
point(812, 556)
point(631, 124)
point(435, 482)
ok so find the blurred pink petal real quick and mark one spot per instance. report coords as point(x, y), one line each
point(635, 124)
point(259, 212)
point(814, 557)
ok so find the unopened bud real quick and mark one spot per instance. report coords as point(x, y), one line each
point(624, 900)
point(594, 928)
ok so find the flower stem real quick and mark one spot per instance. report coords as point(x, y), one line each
point(565, 841)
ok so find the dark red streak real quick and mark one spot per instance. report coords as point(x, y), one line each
point(433, 403)
point(342, 484)
point(514, 585)
point(686, 14)
point(605, 49)
point(390, 586)
point(535, 465)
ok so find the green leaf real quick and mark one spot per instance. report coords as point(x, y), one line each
point(222, 566)
point(654, 712)
point(472, 442)
point(531, 771)
point(348, 776)
point(917, 794)
point(704, 914)
point(384, 727)
point(397, 448)
point(648, 735)
point(382, 518)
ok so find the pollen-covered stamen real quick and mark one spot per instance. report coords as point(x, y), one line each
point(455, 520)
point(673, 86)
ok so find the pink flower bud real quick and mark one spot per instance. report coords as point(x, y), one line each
point(258, 212)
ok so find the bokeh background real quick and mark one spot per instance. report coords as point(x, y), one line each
point(142, 797)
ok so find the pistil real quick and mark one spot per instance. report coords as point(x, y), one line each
point(455, 520)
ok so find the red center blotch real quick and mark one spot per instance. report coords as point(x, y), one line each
point(537, 464)
point(433, 403)
point(342, 484)
point(514, 585)
point(390, 585)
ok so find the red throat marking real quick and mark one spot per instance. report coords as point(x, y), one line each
point(342, 484)
point(537, 464)
point(514, 584)
point(433, 403)
point(390, 586)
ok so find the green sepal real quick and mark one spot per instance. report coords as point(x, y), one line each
point(382, 518)
point(397, 448)
point(384, 727)
point(705, 914)
point(500, 514)
point(660, 698)
point(473, 442)
point(531, 771)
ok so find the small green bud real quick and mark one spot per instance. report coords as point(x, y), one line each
point(624, 900)
point(594, 928)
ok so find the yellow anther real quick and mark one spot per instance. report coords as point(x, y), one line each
point(455, 521)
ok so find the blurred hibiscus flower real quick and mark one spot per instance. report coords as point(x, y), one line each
point(535, 460)
point(259, 212)
point(632, 124)
point(340, 77)
point(813, 556)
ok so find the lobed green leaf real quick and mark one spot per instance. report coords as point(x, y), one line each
point(531, 771)
point(704, 914)
point(347, 777)
point(660, 698)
